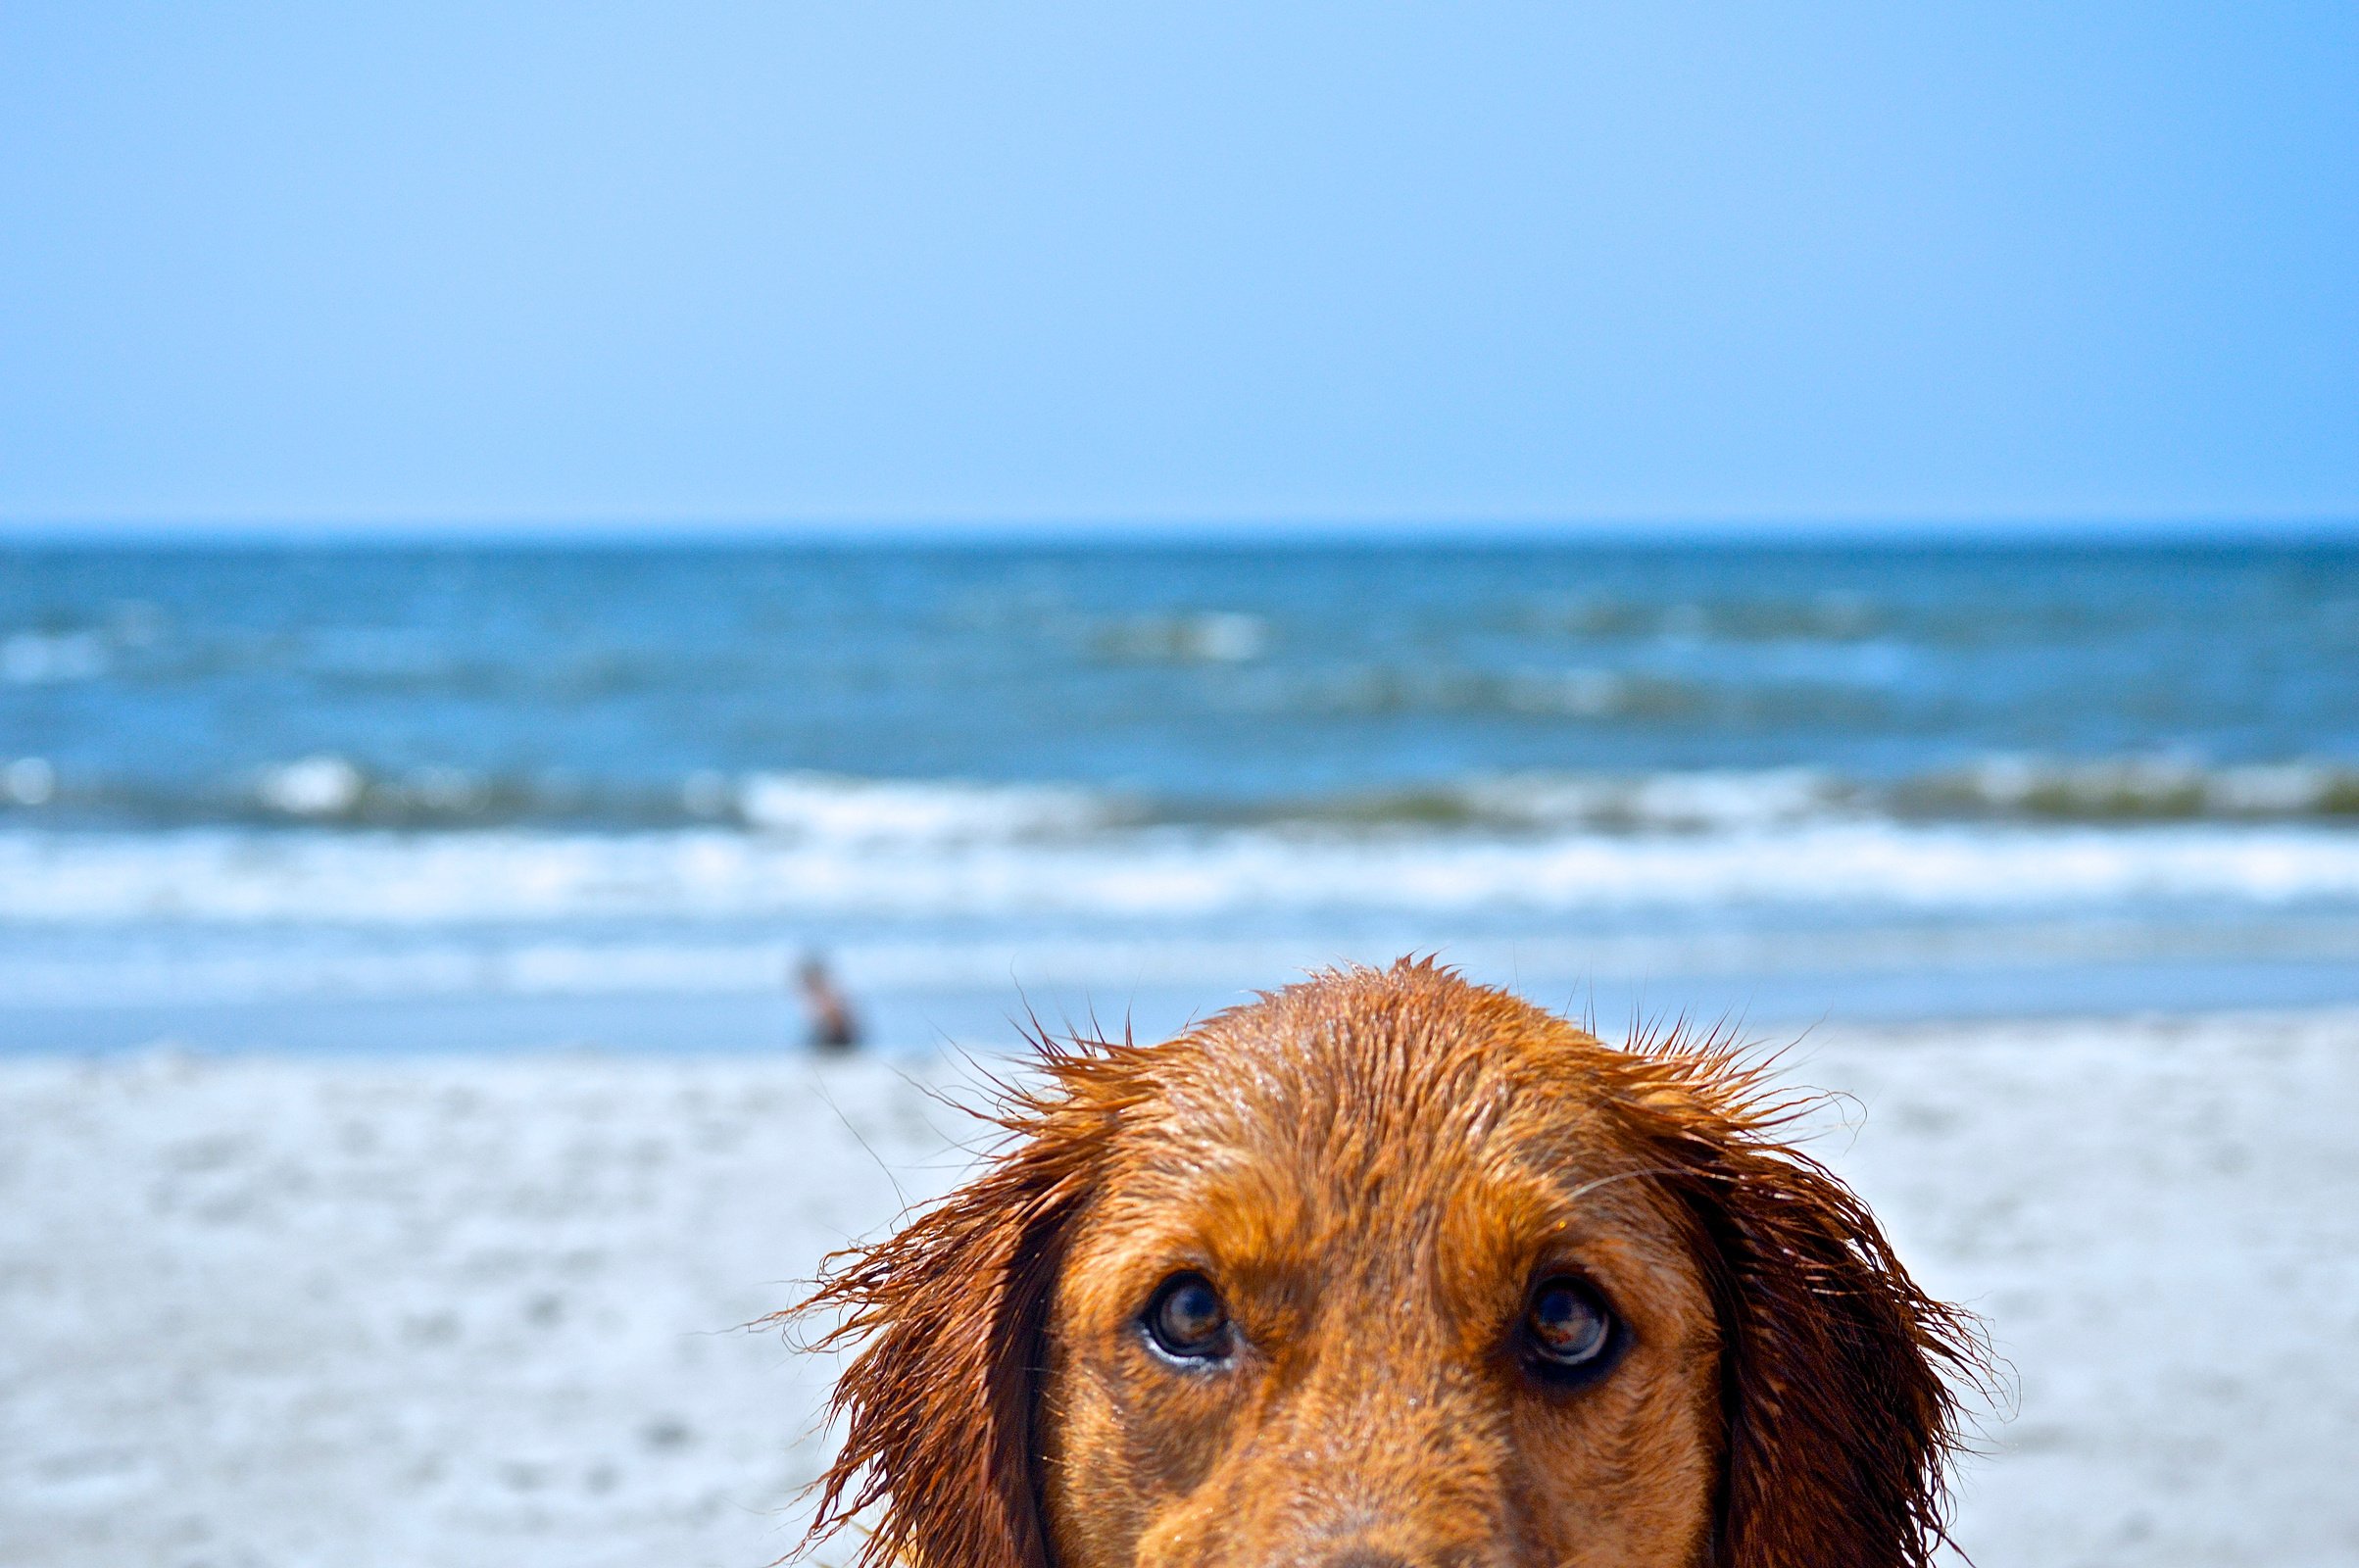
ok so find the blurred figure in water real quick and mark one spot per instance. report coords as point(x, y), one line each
point(833, 1027)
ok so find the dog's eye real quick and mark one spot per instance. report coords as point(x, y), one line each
point(1186, 1320)
point(1568, 1325)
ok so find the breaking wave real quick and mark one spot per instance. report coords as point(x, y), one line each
point(921, 865)
point(327, 790)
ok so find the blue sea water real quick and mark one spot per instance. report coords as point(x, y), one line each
point(1795, 780)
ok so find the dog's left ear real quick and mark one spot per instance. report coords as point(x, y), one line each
point(1835, 1368)
point(937, 1406)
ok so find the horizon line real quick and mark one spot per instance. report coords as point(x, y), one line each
point(688, 531)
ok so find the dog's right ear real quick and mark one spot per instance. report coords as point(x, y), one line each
point(938, 1465)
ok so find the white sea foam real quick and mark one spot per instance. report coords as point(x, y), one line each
point(830, 808)
point(316, 785)
point(37, 658)
point(1218, 637)
point(925, 870)
point(27, 781)
point(929, 885)
point(1722, 800)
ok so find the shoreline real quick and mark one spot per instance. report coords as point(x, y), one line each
point(285, 1308)
point(912, 1023)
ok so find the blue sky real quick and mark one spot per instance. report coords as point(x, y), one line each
point(546, 264)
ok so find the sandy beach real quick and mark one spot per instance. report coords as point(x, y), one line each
point(275, 1310)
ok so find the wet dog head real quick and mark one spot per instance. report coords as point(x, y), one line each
point(1391, 1271)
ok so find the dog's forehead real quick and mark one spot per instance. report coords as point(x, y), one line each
point(1353, 1083)
point(1438, 1052)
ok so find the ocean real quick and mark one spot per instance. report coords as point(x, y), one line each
point(383, 797)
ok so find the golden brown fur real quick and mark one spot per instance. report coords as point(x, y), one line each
point(1375, 1172)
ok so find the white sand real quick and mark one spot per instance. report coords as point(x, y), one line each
point(272, 1310)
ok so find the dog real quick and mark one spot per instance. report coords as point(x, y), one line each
point(1392, 1270)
